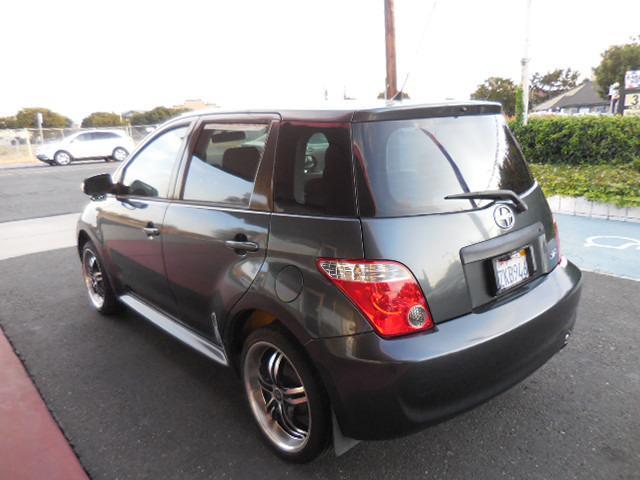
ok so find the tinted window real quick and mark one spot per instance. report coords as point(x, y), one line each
point(314, 171)
point(224, 164)
point(83, 137)
point(103, 135)
point(409, 166)
point(149, 173)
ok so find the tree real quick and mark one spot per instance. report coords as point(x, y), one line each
point(26, 118)
point(498, 89)
point(102, 119)
point(615, 62)
point(155, 116)
point(7, 122)
point(551, 84)
point(403, 96)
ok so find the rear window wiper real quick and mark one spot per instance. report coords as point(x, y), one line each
point(491, 195)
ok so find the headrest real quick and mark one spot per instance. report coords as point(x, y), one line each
point(241, 162)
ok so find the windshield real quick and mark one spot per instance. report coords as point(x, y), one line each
point(407, 167)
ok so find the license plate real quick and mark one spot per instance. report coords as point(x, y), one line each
point(511, 269)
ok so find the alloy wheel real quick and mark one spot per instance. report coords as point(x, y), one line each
point(277, 397)
point(62, 158)
point(93, 278)
point(119, 154)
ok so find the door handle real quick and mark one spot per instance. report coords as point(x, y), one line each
point(241, 246)
point(151, 231)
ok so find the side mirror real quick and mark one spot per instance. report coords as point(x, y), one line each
point(98, 185)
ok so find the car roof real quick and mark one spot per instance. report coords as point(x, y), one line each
point(353, 113)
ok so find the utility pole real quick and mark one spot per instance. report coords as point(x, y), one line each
point(391, 89)
point(524, 81)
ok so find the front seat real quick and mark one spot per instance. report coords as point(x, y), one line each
point(241, 162)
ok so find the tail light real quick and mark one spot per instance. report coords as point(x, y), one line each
point(561, 259)
point(385, 292)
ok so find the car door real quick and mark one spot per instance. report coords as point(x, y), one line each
point(80, 146)
point(132, 222)
point(101, 146)
point(216, 230)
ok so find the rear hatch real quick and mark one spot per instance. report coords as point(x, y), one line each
point(467, 254)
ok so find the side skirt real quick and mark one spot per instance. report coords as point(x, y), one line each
point(173, 328)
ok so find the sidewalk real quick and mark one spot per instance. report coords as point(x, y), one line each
point(22, 237)
point(31, 444)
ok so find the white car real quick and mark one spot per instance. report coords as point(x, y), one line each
point(106, 144)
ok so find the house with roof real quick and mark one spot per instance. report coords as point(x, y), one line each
point(580, 100)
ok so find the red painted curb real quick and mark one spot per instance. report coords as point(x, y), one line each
point(31, 444)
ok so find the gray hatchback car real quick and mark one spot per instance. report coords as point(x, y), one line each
point(408, 271)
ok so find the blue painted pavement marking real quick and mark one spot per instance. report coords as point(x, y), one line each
point(604, 246)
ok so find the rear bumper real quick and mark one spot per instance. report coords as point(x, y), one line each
point(388, 388)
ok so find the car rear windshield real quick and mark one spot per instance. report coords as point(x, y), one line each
point(407, 167)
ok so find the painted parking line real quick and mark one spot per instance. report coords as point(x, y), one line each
point(603, 246)
point(24, 237)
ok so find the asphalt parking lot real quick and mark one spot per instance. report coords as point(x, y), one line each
point(135, 403)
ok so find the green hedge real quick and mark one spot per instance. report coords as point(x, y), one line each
point(580, 140)
point(617, 184)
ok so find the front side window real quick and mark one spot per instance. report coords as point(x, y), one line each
point(83, 137)
point(313, 172)
point(149, 173)
point(224, 164)
point(104, 135)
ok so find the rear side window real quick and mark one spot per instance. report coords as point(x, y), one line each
point(407, 167)
point(224, 164)
point(314, 173)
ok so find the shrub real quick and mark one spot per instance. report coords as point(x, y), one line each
point(619, 185)
point(580, 140)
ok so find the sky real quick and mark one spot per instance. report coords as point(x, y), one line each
point(77, 57)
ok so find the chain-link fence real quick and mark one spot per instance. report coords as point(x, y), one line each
point(21, 145)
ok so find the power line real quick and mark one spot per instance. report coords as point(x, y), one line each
point(427, 23)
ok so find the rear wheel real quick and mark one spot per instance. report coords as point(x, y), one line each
point(99, 290)
point(285, 397)
point(62, 158)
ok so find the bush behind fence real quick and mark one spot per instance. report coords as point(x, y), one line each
point(580, 140)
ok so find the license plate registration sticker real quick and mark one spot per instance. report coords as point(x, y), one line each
point(511, 269)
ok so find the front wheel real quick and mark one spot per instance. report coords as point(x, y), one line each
point(287, 400)
point(119, 154)
point(62, 158)
point(101, 294)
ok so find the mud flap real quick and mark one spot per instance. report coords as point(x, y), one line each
point(341, 444)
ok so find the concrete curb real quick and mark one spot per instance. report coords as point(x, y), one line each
point(586, 208)
point(31, 443)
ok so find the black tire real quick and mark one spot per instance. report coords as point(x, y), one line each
point(62, 158)
point(316, 407)
point(108, 303)
point(119, 154)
